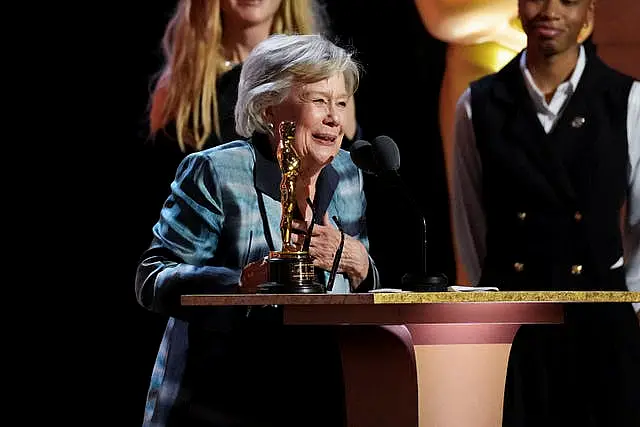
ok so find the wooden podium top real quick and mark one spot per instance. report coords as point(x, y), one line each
point(488, 307)
point(411, 298)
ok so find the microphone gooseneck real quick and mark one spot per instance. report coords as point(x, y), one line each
point(381, 158)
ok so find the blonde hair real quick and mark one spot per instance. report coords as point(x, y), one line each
point(278, 63)
point(186, 89)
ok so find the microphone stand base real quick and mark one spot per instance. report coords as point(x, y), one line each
point(422, 283)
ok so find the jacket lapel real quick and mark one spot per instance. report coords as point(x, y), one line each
point(576, 131)
point(524, 130)
point(325, 187)
point(267, 178)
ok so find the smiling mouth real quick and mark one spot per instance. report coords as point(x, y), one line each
point(325, 138)
point(546, 31)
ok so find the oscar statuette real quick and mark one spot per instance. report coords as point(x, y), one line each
point(291, 269)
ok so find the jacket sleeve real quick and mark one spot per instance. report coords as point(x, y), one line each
point(179, 260)
point(469, 219)
point(631, 229)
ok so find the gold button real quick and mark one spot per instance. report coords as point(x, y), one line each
point(577, 216)
point(576, 270)
point(522, 216)
point(518, 266)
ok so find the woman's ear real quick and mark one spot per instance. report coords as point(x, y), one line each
point(268, 113)
point(268, 116)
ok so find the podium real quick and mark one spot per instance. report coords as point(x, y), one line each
point(408, 358)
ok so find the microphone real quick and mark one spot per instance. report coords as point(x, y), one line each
point(386, 153)
point(362, 156)
point(381, 158)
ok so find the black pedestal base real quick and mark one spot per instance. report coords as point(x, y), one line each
point(421, 283)
point(279, 288)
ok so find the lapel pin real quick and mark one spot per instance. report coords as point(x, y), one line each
point(577, 122)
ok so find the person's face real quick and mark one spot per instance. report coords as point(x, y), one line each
point(318, 109)
point(553, 26)
point(249, 12)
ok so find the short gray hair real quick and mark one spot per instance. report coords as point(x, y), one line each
point(276, 64)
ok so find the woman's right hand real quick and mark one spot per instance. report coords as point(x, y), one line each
point(253, 274)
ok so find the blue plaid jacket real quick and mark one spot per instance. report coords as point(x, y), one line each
point(224, 212)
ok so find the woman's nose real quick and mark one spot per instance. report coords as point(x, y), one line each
point(332, 117)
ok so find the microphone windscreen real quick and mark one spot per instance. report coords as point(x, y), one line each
point(362, 155)
point(386, 153)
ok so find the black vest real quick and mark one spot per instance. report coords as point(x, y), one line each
point(553, 201)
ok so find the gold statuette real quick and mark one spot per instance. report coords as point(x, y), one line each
point(291, 269)
point(289, 163)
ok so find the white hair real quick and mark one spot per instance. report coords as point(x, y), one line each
point(276, 64)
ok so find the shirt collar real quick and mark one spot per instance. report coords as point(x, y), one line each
point(568, 87)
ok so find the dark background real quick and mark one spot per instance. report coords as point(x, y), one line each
point(398, 97)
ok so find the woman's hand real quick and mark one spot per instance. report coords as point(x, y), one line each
point(253, 274)
point(325, 240)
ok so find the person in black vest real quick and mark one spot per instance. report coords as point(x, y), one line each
point(546, 162)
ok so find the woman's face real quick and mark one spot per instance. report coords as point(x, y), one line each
point(318, 109)
point(249, 12)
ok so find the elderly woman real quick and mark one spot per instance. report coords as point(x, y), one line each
point(231, 366)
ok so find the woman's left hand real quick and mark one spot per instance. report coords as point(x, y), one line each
point(325, 240)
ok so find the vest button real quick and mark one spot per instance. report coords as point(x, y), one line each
point(522, 216)
point(577, 216)
point(518, 266)
point(576, 270)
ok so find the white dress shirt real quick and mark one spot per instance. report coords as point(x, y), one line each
point(469, 222)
